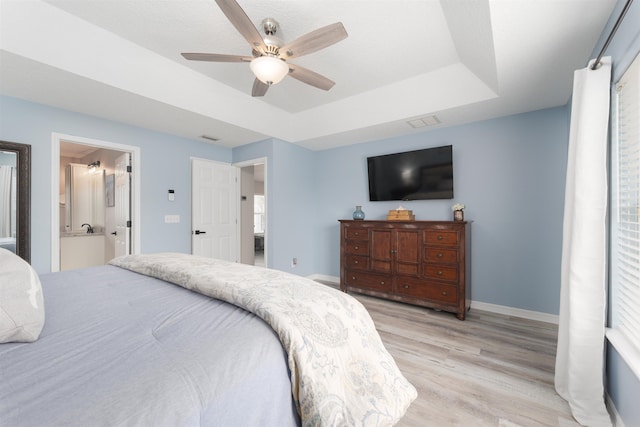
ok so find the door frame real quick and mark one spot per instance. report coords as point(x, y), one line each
point(253, 162)
point(56, 138)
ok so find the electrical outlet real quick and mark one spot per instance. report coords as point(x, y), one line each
point(294, 262)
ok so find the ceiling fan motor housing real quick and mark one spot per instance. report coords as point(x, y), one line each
point(273, 43)
point(270, 26)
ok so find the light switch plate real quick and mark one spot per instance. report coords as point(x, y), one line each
point(171, 219)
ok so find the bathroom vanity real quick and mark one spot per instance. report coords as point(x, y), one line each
point(81, 250)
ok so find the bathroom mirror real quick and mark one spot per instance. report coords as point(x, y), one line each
point(15, 198)
point(84, 198)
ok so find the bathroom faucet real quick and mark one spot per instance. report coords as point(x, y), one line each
point(89, 230)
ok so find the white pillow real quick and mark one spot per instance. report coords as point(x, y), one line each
point(21, 303)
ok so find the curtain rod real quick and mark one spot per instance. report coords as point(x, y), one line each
point(611, 34)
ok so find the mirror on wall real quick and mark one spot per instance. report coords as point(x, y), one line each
point(84, 198)
point(15, 198)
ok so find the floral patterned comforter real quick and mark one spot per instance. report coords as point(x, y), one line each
point(341, 373)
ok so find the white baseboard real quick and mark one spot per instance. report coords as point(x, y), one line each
point(516, 312)
point(325, 278)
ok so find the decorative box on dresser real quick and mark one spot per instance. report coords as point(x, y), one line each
point(427, 263)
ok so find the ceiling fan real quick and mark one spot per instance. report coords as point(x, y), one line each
point(269, 54)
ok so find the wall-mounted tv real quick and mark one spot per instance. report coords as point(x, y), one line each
point(413, 175)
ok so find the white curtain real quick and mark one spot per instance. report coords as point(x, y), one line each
point(579, 374)
point(5, 200)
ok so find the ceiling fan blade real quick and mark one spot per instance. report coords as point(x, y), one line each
point(259, 88)
point(243, 24)
point(309, 77)
point(214, 57)
point(313, 41)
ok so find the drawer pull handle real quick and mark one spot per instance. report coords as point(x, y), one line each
point(439, 273)
point(440, 255)
point(355, 262)
point(356, 248)
point(357, 234)
point(353, 277)
point(444, 293)
point(439, 237)
point(382, 283)
point(406, 286)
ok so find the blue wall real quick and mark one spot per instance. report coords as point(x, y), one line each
point(291, 203)
point(509, 173)
point(165, 164)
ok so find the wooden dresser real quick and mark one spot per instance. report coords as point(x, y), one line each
point(426, 263)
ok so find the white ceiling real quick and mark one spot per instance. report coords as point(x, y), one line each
point(462, 61)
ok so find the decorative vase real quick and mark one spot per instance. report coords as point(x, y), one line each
point(458, 215)
point(358, 214)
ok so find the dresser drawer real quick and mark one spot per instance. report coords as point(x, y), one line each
point(357, 248)
point(352, 233)
point(357, 262)
point(374, 282)
point(432, 291)
point(441, 272)
point(440, 255)
point(441, 237)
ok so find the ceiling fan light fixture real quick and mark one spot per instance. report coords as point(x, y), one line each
point(269, 69)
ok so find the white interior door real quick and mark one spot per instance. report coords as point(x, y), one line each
point(123, 205)
point(214, 207)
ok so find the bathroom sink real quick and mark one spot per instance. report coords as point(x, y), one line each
point(78, 234)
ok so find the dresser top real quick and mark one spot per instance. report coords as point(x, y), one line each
point(385, 221)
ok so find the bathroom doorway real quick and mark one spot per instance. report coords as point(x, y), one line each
point(85, 229)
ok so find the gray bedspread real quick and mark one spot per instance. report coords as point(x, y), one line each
point(341, 373)
point(122, 349)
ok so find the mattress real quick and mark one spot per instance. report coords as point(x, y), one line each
point(123, 349)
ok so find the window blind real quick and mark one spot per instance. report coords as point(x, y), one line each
point(625, 244)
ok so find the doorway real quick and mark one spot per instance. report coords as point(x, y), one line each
point(248, 217)
point(96, 201)
point(253, 215)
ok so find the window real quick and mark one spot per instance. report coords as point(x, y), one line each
point(625, 222)
point(258, 214)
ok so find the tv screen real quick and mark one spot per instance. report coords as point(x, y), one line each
point(412, 175)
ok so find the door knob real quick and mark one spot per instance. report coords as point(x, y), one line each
point(200, 232)
point(115, 233)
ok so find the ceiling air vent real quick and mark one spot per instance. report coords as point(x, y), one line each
point(210, 138)
point(424, 122)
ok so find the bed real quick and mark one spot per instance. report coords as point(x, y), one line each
point(8, 243)
point(172, 339)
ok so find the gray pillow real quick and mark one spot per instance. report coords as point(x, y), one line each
point(21, 303)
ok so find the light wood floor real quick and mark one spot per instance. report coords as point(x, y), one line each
point(488, 370)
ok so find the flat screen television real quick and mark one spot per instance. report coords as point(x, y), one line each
point(413, 175)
